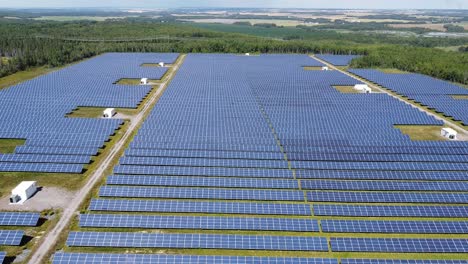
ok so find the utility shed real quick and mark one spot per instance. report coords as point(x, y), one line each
point(144, 81)
point(109, 113)
point(325, 68)
point(449, 133)
point(161, 64)
point(23, 192)
point(367, 89)
point(247, 54)
point(361, 87)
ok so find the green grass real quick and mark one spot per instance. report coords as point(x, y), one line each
point(417, 132)
point(96, 112)
point(129, 81)
point(23, 76)
point(312, 68)
point(346, 89)
point(9, 145)
point(460, 97)
point(397, 71)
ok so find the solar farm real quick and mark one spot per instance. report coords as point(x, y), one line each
point(245, 159)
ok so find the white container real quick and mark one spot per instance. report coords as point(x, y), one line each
point(161, 64)
point(361, 87)
point(144, 81)
point(109, 113)
point(449, 133)
point(23, 192)
point(325, 68)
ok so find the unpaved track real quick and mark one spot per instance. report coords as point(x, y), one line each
point(51, 237)
point(447, 122)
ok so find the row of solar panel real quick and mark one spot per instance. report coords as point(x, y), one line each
point(257, 183)
point(18, 219)
point(383, 175)
point(194, 222)
point(272, 224)
point(187, 181)
point(246, 242)
point(96, 258)
point(251, 208)
point(11, 237)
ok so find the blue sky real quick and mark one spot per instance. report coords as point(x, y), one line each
point(357, 4)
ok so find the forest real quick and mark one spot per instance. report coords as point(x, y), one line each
point(27, 43)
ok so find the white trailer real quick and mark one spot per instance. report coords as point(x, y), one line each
point(109, 113)
point(144, 81)
point(23, 192)
point(449, 133)
point(161, 64)
point(361, 87)
point(325, 68)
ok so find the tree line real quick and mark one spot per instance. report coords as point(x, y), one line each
point(30, 44)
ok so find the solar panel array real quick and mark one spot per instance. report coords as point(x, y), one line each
point(196, 241)
point(435, 94)
point(18, 219)
point(11, 237)
point(78, 258)
point(36, 110)
point(258, 144)
point(2, 256)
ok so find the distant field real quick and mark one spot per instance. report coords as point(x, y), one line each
point(286, 23)
point(439, 27)
point(74, 18)
point(23, 76)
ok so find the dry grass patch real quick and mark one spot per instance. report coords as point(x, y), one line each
point(420, 132)
point(312, 68)
point(8, 145)
point(346, 89)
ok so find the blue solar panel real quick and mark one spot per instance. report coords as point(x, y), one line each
point(2, 256)
point(41, 167)
point(195, 222)
point(200, 193)
point(196, 241)
point(384, 185)
point(38, 158)
point(204, 154)
point(382, 175)
point(202, 162)
point(37, 110)
point(90, 258)
point(399, 245)
point(387, 197)
point(11, 237)
point(185, 181)
point(18, 219)
point(417, 227)
point(391, 166)
point(204, 171)
point(248, 208)
point(390, 211)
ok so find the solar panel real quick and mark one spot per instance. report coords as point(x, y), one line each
point(248, 208)
point(139, 240)
point(185, 181)
point(387, 197)
point(93, 258)
point(382, 175)
point(417, 227)
point(195, 222)
point(11, 237)
point(18, 219)
point(2, 256)
point(390, 211)
point(203, 171)
point(200, 193)
point(384, 185)
point(399, 245)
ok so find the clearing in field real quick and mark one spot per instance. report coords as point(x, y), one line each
point(8, 145)
point(417, 132)
point(346, 89)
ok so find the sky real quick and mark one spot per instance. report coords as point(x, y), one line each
point(355, 4)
